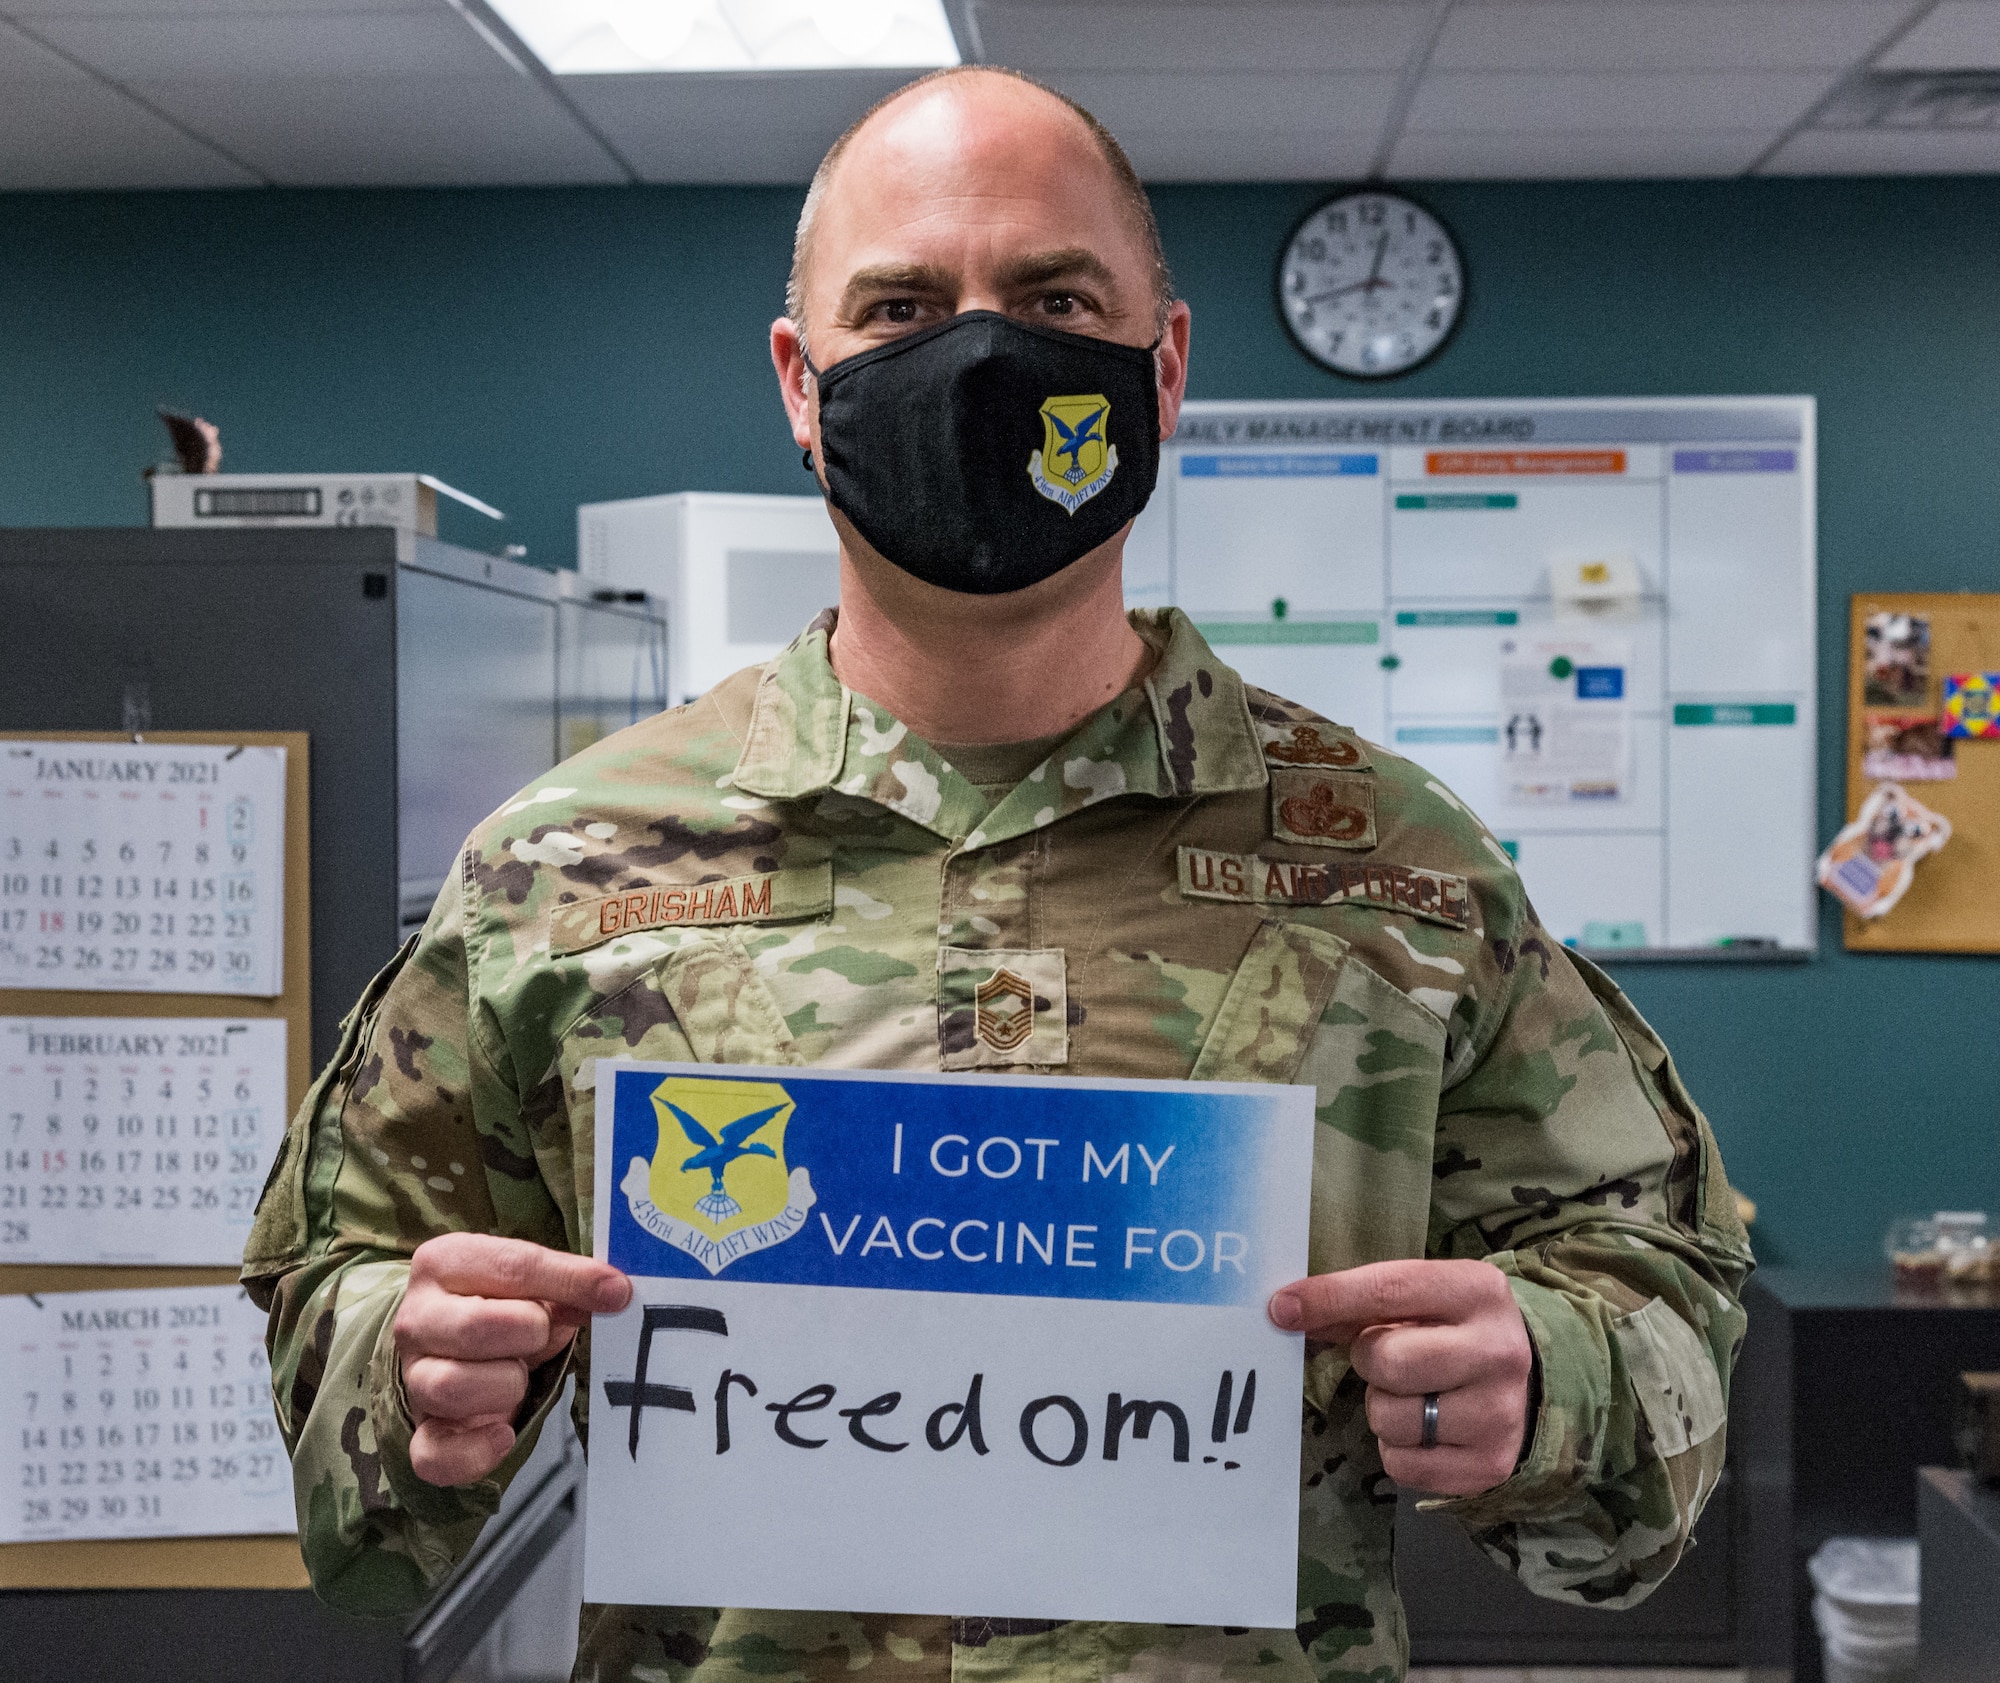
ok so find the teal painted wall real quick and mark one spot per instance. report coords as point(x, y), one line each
point(543, 349)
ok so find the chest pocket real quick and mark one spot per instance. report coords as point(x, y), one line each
point(1302, 1008)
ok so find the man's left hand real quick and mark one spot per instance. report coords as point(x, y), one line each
point(1413, 1328)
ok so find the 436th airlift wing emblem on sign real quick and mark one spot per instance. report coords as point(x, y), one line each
point(1076, 459)
point(718, 1186)
point(1003, 1010)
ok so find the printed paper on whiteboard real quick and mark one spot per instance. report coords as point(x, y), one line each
point(141, 1413)
point(947, 1344)
point(142, 867)
point(136, 1139)
point(1565, 720)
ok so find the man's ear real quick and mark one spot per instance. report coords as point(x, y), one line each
point(788, 357)
point(1170, 367)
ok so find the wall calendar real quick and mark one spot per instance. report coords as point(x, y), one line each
point(128, 1140)
point(142, 867)
point(139, 1414)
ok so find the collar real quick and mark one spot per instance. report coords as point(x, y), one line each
point(1187, 733)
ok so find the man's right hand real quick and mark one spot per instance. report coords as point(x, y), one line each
point(480, 1315)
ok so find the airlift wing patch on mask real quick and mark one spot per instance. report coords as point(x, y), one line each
point(1251, 879)
point(768, 897)
point(1076, 459)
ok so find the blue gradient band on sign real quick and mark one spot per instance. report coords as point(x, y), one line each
point(1272, 465)
point(1179, 1184)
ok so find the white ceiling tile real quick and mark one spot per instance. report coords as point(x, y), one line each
point(1954, 35)
point(150, 10)
point(1234, 102)
point(1667, 36)
point(1617, 154)
point(392, 131)
point(1889, 152)
point(70, 133)
point(246, 49)
point(23, 60)
point(1517, 102)
point(1197, 37)
point(1293, 153)
point(769, 128)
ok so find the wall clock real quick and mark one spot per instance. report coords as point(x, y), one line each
point(1370, 285)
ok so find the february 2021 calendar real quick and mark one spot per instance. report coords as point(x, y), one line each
point(136, 1139)
point(142, 867)
point(139, 1414)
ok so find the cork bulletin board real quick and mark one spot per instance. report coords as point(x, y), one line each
point(1950, 906)
point(232, 1562)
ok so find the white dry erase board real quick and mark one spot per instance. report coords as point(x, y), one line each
point(934, 1343)
point(1592, 618)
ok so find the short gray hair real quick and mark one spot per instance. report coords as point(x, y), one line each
point(1131, 192)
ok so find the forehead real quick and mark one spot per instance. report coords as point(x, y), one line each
point(982, 162)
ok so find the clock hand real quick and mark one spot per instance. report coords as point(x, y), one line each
point(1337, 292)
point(1375, 270)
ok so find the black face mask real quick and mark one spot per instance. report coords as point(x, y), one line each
point(982, 455)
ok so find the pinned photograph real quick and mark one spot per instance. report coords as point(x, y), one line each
point(1908, 748)
point(1897, 652)
point(1871, 863)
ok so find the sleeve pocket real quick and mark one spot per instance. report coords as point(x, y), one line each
point(1673, 1376)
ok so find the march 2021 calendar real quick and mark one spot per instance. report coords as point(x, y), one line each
point(129, 1140)
point(142, 867)
point(139, 1414)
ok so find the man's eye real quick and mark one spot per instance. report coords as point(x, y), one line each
point(1059, 304)
point(899, 311)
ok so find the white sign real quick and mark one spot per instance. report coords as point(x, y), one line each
point(1565, 721)
point(947, 1344)
point(142, 1413)
point(136, 1139)
point(134, 867)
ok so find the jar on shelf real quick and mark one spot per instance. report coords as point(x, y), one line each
point(1950, 1251)
point(1912, 1249)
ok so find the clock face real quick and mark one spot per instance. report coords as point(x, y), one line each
point(1370, 285)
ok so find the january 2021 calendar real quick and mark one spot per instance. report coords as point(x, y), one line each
point(142, 867)
point(136, 1139)
point(143, 1413)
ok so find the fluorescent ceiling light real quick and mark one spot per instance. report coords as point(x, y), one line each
point(614, 37)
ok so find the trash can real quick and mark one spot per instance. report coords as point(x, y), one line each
point(1866, 1608)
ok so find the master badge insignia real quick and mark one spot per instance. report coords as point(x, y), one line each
point(1003, 1010)
point(1076, 459)
point(718, 1186)
point(1304, 745)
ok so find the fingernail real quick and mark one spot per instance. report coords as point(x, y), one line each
point(614, 1294)
point(1285, 1311)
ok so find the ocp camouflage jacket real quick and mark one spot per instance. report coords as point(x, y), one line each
point(1203, 882)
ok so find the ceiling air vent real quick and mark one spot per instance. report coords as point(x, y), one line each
point(1914, 99)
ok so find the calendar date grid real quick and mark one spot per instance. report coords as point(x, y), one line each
point(127, 904)
point(152, 1434)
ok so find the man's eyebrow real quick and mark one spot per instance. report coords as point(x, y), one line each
point(1073, 262)
point(878, 278)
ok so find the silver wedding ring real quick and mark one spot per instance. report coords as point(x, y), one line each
point(1430, 1438)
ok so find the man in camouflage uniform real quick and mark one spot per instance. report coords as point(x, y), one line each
point(1516, 1207)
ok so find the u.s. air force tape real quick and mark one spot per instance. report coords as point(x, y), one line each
point(767, 897)
point(1257, 881)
